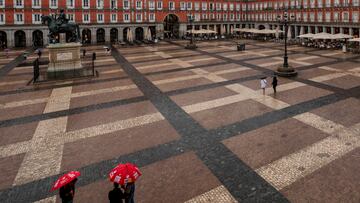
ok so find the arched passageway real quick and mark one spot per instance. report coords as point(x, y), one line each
point(100, 35)
point(114, 35)
point(20, 38)
point(171, 26)
point(3, 40)
point(38, 39)
point(139, 34)
point(86, 36)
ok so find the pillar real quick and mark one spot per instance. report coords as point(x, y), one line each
point(342, 30)
point(332, 30)
point(145, 29)
point(45, 36)
point(316, 29)
point(182, 29)
point(309, 29)
point(93, 35)
point(107, 35)
point(351, 31)
point(160, 31)
point(10, 38)
point(121, 33)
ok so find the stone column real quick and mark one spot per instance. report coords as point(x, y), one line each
point(10, 38)
point(45, 36)
point(351, 31)
point(316, 29)
point(93, 35)
point(160, 30)
point(107, 35)
point(29, 39)
point(296, 31)
point(342, 30)
point(332, 30)
point(182, 29)
point(145, 30)
point(324, 29)
point(121, 33)
point(309, 29)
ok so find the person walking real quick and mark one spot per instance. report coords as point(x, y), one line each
point(274, 83)
point(67, 192)
point(116, 195)
point(129, 192)
point(263, 84)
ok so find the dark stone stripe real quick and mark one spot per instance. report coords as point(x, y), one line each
point(11, 65)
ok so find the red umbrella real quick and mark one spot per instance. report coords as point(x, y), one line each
point(124, 173)
point(65, 179)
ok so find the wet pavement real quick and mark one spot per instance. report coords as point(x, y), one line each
point(194, 121)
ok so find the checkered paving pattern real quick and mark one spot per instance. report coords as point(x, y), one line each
point(195, 121)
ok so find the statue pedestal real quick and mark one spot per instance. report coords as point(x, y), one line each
point(64, 60)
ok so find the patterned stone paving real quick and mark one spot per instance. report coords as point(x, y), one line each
point(194, 121)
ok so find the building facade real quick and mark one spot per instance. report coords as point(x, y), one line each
point(110, 20)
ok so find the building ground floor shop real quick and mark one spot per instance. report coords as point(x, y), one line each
point(36, 36)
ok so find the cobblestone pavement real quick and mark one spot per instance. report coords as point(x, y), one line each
point(194, 121)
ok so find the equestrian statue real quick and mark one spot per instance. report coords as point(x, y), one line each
point(60, 24)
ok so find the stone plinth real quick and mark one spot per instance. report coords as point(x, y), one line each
point(64, 60)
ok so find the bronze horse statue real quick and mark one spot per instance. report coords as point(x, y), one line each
point(55, 28)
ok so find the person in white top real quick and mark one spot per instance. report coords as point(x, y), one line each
point(263, 84)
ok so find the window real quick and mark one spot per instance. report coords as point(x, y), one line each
point(113, 17)
point(320, 5)
point(100, 4)
point(151, 5)
point(19, 3)
point(126, 4)
point(355, 2)
point(100, 18)
point(327, 16)
point(336, 17)
point(2, 3)
point(237, 7)
point(232, 17)
point(211, 6)
point(345, 17)
point(204, 16)
point(346, 3)
point(126, 17)
point(53, 3)
point(71, 17)
point(336, 3)
point(328, 3)
point(159, 5)
point(36, 18)
point(197, 6)
point(218, 16)
point(231, 7)
point(189, 6)
point(204, 6)
point(218, 6)
point(312, 17)
point(355, 17)
point(225, 6)
point(86, 18)
point(152, 17)
point(305, 17)
point(319, 17)
point(138, 5)
point(171, 5)
point(85, 3)
point(19, 18)
point(138, 17)
point(70, 3)
point(113, 4)
point(35, 3)
point(197, 17)
point(182, 6)
point(2, 18)
point(225, 17)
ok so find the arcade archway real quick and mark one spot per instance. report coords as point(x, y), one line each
point(171, 26)
point(20, 38)
point(139, 34)
point(86, 36)
point(3, 40)
point(114, 35)
point(38, 39)
point(100, 35)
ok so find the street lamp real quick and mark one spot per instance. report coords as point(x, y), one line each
point(285, 70)
point(191, 45)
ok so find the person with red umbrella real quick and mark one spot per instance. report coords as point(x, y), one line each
point(66, 183)
point(126, 175)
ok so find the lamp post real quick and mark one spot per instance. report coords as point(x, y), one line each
point(191, 45)
point(285, 70)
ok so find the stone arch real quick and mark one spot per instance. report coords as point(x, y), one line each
point(38, 38)
point(20, 38)
point(86, 36)
point(100, 35)
point(114, 33)
point(171, 26)
point(261, 27)
point(139, 34)
point(3, 40)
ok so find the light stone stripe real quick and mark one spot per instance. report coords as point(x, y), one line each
point(327, 77)
point(23, 67)
point(183, 64)
point(318, 122)
point(23, 103)
point(12, 82)
point(42, 159)
point(333, 53)
point(217, 195)
point(47, 200)
point(111, 71)
point(201, 59)
point(287, 170)
point(102, 91)
point(307, 58)
point(270, 63)
point(295, 61)
point(104, 60)
point(153, 66)
point(162, 54)
point(139, 57)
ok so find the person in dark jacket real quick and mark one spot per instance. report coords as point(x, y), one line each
point(274, 83)
point(129, 191)
point(67, 192)
point(116, 195)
